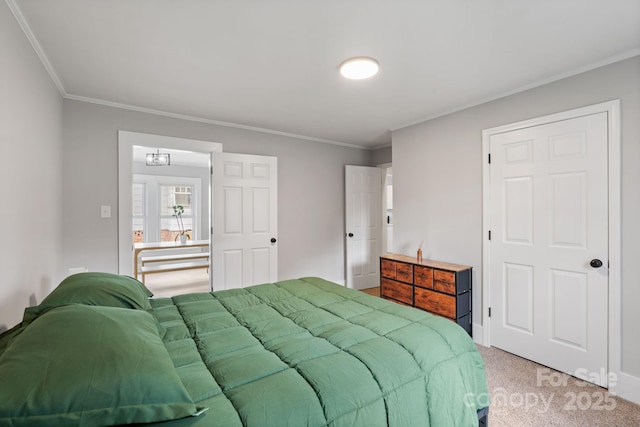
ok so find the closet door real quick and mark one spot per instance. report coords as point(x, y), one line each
point(549, 244)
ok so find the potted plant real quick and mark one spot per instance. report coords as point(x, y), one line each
point(178, 210)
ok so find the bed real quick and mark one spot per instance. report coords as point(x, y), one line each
point(304, 352)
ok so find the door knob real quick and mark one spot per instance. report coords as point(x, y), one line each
point(596, 263)
point(273, 240)
point(350, 234)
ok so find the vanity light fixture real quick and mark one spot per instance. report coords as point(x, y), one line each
point(361, 67)
point(158, 159)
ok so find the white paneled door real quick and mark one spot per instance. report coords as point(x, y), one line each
point(245, 220)
point(549, 244)
point(363, 218)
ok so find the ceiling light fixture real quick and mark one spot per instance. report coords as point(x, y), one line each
point(359, 68)
point(158, 159)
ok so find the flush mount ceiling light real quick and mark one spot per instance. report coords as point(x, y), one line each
point(158, 159)
point(359, 68)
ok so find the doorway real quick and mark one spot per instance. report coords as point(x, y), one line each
point(171, 201)
point(364, 226)
point(387, 207)
point(184, 181)
point(551, 204)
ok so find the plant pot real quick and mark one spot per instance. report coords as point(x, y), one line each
point(183, 239)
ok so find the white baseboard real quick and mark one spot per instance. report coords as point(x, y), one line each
point(476, 330)
point(627, 387)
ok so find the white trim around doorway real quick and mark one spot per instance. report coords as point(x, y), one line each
point(126, 141)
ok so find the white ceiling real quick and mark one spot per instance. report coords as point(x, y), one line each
point(273, 64)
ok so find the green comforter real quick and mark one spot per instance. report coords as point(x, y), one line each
point(308, 352)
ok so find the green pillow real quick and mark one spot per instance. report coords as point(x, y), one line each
point(104, 289)
point(92, 366)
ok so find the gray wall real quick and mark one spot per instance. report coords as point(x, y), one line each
point(30, 170)
point(381, 156)
point(310, 187)
point(437, 173)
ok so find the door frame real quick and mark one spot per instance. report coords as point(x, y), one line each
point(612, 108)
point(126, 141)
point(385, 226)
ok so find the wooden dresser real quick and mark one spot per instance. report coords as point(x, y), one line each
point(438, 287)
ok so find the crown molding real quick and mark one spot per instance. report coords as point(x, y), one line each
point(611, 60)
point(208, 121)
point(378, 147)
point(17, 13)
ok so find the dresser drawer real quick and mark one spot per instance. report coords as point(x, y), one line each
point(397, 291)
point(444, 276)
point(436, 302)
point(423, 276)
point(388, 268)
point(404, 272)
point(450, 282)
point(448, 288)
point(444, 281)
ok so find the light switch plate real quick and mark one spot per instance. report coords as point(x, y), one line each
point(105, 211)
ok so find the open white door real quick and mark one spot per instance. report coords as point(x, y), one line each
point(363, 199)
point(245, 220)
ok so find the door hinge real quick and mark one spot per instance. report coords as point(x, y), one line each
point(489, 158)
point(211, 169)
point(489, 234)
point(212, 230)
point(489, 311)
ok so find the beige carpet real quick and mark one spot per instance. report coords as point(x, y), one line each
point(172, 283)
point(524, 393)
